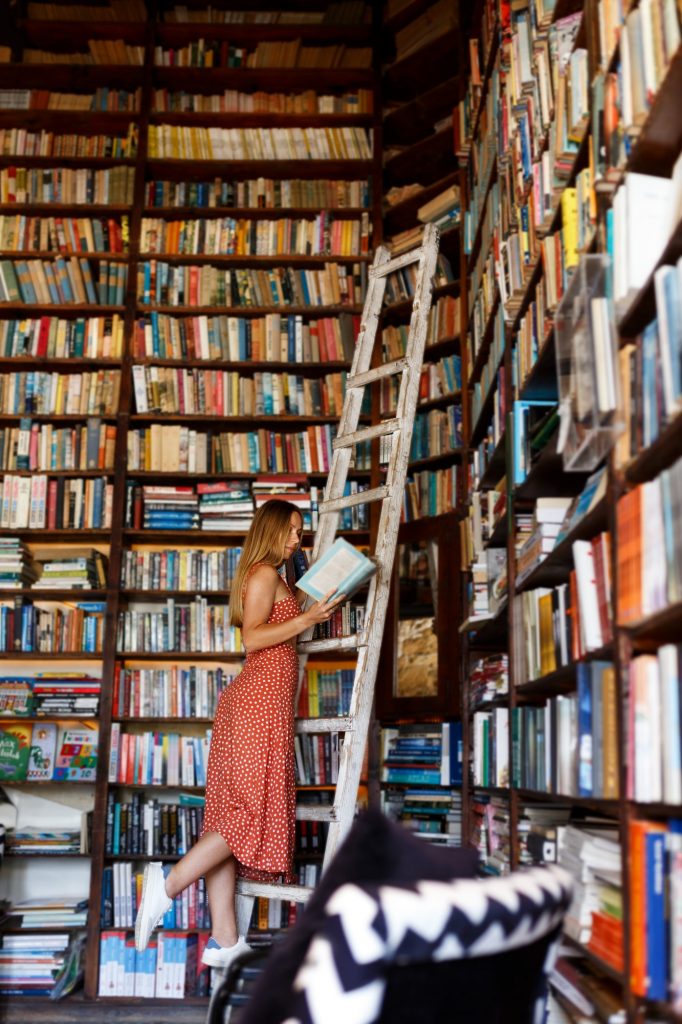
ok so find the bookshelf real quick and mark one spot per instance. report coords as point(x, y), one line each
point(548, 162)
point(236, 188)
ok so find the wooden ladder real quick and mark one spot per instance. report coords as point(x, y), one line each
point(355, 725)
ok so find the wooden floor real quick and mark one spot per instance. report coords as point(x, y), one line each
point(76, 1008)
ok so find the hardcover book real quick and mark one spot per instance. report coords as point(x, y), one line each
point(342, 569)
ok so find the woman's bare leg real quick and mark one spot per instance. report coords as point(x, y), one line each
point(208, 853)
point(220, 886)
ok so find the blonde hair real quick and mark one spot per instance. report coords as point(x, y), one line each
point(264, 543)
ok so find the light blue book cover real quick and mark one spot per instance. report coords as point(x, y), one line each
point(342, 569)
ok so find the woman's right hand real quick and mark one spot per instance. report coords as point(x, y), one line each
point(322, 610)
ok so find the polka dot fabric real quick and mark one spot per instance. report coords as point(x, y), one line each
point(250, 780)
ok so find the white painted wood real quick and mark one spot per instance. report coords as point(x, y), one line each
point(395, 264)
point(355, 726)
point(341, 723)
point(366, 434)
point(361, 498)
point(274, 890)
point(336, 643)
point(377, 372)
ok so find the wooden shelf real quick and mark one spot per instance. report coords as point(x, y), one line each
point(436, 461)
point(274, 119)
point(54, 595)
point(76, 474)
point(246, 367)
point(556, 566)
point(247, 212)
point(312, 312)
point(665, 450)
point(250, 261)
point(412, 121)
point(158, 166)
point(421, 69)
point(487, 631)
point(210, 80)
point(238, 422)
point(496, 467)
point(563, 679)
point(609, 808)
point(213, 537)
point(547, 477)
point(83, 536)
point(425, 161)
point(660, 627)
point(595, 960)
point(171, 33)
point(51, 656)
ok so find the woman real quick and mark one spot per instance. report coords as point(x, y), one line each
point(249, 821)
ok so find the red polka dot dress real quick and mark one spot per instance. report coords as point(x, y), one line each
point(250, 779)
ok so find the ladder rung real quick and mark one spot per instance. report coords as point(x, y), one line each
point(359, 380)
point(315, 812)
point(366, 433)
point(340, 723)
point(337, 643)
point(272, 890)
point(361, 498)
point(395, 264)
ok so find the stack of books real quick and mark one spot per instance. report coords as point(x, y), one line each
point(489, 678)
point(17, 569)
point(592, 855)
point(546, 525)
point(27, 963)
point(225, 505)
point(82, 569)
point(70, 693)
point(170, 508)
point(293, 487)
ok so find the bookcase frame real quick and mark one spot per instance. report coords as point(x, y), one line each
point(653, 151)
point(146, 77)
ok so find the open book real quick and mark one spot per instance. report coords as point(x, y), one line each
point(342, 568)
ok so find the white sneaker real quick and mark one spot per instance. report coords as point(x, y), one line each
point(222, 956)
point(153, 905)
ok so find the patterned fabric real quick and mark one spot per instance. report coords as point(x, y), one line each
point(250, 778)
point(371, 928)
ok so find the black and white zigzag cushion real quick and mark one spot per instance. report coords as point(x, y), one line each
point(370, 928)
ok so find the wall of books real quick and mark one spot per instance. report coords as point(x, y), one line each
point(188, 206)
point(570, 134)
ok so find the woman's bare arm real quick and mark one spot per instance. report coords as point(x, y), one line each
point(261, 590)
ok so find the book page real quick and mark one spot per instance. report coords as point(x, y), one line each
point(329, 576)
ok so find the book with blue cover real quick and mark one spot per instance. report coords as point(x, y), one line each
point(342, 569)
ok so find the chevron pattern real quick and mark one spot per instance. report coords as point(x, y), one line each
point(372, 926)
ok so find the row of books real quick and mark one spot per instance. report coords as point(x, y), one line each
point(100, 51)
point(648, 553)
point(46, 694)
point(47, 752)
point(52, 629)
point(103, 98)
point(272, 338)
point(401, 283)
point(546, 525)
point(317, 758)
point(168, 968)
point(37, 502)
point(322, 235)
point(63, 282)
point(231, 393)
point(437, 380)
point(22, 142)
point(591, 852)
point(653, 727)
point(179, 568)
point(177, 142)
point(150, 827)
point(97, 337)
point(169, 285)
point(489, 830)
point(234, 101)
point(291, 53)
point(490, 375)
point(651, 383)
point(561, 624)
point(45, 447)
point(443, 326)
point(177, 691)
point(431, 493)
point(61, 394)
point(264, 451)
point(325, 692)
point(431, 814)
point(27, 233)
point(339, 12)
point(436, 432)
point(569, 746)
point(28, 841)
point(158, 758)
point(67, 185)
point(78, 569)
point(260, 193)
point(197, 626)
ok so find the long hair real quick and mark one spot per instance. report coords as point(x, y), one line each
point(264, 543)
